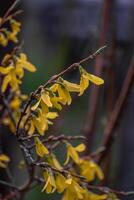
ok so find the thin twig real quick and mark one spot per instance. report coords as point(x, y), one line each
point(6, 104)
point(7, 14)
point(59, 139)
point(9, 185)
point(109, 132)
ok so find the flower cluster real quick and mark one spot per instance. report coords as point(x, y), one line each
point(54, 97)
point(12, 71)
point(9, 35)
point(72, 187)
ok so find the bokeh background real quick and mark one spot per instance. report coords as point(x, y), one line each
point(57, 33)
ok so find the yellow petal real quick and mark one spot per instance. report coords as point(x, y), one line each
point(67, 159)
point(71, 87)
point(40, 148)
point(40, 124)
point(46, 99)
point(84, 83)
point(74, 155)
point(35, 106)
point(80, 148)
point(15, 103)
point(30, 67)
point(68, 181)
point(46, 184)
point(71, 152)
point(3, 40)
point(6, 70)
point(5, 59)
point(31, 129)
point(5, 158)
point(95, 79)
point(5, 82)
point(12, 36)
point(56, 102)
point(54, 87)
point(52, 115)
point(22, 62)
point(19, 72)
point(54, 162)
point(60, 183)
point(99, 173)
point(64, 94)
point(23, 57)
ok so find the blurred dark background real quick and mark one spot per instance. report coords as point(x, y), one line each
point(57, 33)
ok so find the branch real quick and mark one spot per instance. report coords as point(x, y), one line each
point(107, 190)
point(9, 185)
point(109, 132)
point(60, 138)
point(52, 79)
point(7, 14)
point(98, 68)
point(6, 104)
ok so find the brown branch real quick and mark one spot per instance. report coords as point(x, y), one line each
point(6, 105)
point(9, 185)
point(109, 132)
point(98, 68)
point(107, 190)
point(7, 14)
point(52, 79)
point(60, 138)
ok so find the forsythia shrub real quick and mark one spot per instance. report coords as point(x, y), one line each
point(29, 118)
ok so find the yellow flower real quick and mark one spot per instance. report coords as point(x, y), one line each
point(90, 170)
point(54, 162)
point(50, 185)
point(10, 78)
point(17, 100)
point(56, 102)
point(73, 153)
point(85, 78)
point(30, 127)
point(3, 40)
point(13, 74)
point(6, 59)
point(71, 87)
point(73, 191)
point(42, 121)
point(15, 103)
point(62, 92)
point(23, 63)
point(43, 99)
point(12, 36)
point(60, 182)
point(41, 150)
point(15, 25)
point(4, 160)
point(7, 35)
